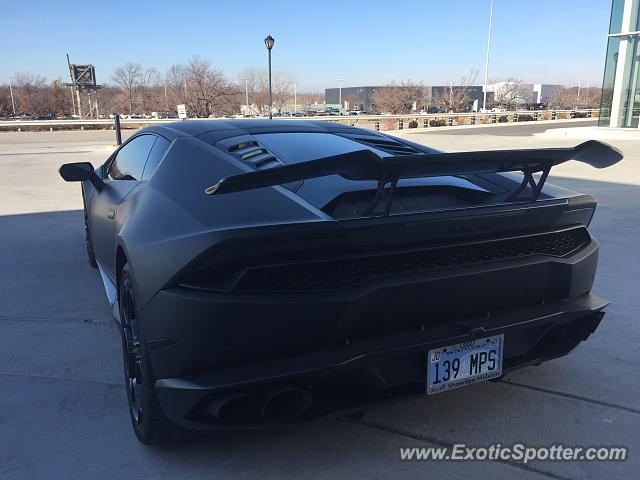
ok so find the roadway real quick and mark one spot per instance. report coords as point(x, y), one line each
point(63, 411)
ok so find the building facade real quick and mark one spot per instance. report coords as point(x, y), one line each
point(356, 98)
point(435, 91)
point(529, 92)
point(620, 104)
point(543, 92)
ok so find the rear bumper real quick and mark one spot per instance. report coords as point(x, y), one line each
point(366, 344)
point(348, 377)
point(188, 331)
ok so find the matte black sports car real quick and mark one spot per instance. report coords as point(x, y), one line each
point(266, 272)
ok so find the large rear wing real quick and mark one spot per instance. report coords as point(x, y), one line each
point(366, 165)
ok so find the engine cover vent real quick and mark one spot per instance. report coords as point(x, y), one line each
point(255, 155)
point(389, 146)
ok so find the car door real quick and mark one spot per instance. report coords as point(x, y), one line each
point(120, 174)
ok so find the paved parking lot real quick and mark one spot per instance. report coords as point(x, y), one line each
point(63, 409)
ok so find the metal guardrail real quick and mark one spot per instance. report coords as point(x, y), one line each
point(374, 122)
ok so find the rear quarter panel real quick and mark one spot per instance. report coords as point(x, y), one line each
point(167, 221)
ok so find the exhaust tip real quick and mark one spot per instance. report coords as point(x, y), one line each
point(286, 403)
point(233, 408)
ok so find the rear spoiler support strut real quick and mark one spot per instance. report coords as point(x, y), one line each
point(384, 195)
point(536, 187)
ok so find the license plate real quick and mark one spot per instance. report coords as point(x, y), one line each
point(464, 363)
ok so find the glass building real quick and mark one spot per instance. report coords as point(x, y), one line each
point(620, 104)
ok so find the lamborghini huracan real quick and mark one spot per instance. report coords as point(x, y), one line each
point(268, 272)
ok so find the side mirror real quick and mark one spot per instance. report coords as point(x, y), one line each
point(79, 172)
point(76, 172)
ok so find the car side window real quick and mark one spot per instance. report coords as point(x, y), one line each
point(129, 161)
point(157, 152)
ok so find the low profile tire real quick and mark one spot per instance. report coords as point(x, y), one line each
point(87, 240)
point(149, 422)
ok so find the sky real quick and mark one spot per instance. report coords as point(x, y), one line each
point(362, 42)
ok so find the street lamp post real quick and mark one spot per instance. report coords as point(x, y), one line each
point(13, 103)
point(166, 100)
point(269, 44)
point(246, 95)
point(486, 65)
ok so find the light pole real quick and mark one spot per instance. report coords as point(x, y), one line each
point(578, 99)
point(269, 44)
point(587, 96)
point(13, 104)
point(166, 100)
point(340, 95)
point(486, 65)
point(246, 94)
point(451, 95)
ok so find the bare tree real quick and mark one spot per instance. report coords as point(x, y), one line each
point(397, 98)
point(110, 99)
point(176, 82)
point(309, 100)
point(5, 101)
point(129, 77)
point(60, 98)
point(208, 91)
point(511, 93)
point(563, 98)
point(590, 98)
point(204, 89)
point(29, 85)
point(256, 82)
point(456, 98)
point(150, 90)
point(574, 97)
point(282, 87)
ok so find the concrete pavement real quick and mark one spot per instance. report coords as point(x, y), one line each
point(62, 403)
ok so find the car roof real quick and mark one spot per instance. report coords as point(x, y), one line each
point(234, 127)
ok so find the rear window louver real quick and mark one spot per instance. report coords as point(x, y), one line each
point(255, 155)
point(395, 148)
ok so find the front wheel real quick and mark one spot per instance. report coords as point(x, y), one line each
point(149, 422)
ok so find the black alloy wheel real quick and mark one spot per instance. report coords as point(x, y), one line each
point(149, 421)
